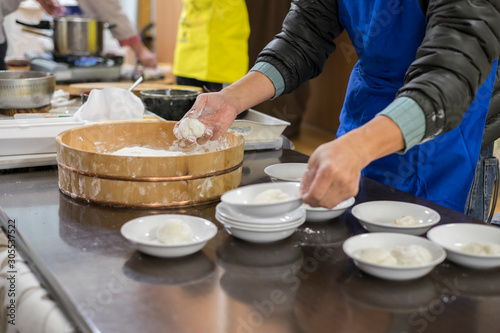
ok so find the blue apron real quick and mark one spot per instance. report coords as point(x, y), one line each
point(386, 35)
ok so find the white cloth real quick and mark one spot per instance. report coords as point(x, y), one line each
point(111, 104)
point(6, 7)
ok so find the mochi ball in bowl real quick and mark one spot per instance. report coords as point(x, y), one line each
point(264, 200)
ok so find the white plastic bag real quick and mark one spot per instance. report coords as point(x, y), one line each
point(111, 104)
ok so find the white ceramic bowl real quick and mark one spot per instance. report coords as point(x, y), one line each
point(452, 237)
point(260, 227)
point(259, 236)
point(225, 211)
point(242, 199)
point(320, 214)
point(388, 241)
point(255, 226)
point(290, 172)
point(379, 216)
point(141, 232)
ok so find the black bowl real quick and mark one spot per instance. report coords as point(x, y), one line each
point(170, 104)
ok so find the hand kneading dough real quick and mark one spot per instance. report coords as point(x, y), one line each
point(191, 127)
point(272, 195)
point(174, 231)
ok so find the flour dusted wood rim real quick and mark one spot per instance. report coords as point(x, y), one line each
point(87, 170)
point(152, 179)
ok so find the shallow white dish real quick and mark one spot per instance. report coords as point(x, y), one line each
point(225, 210)
point(389, 241)
point(260, 227)
point(141, 232)
point(320, 214)
point(379, 216)
point(259, 236)
point(291, 172)
point(242, 199)
point(452, 237)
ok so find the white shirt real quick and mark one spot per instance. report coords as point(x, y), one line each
point(6, 7)
point(109, 11)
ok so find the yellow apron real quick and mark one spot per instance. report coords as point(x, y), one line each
point(212, 40)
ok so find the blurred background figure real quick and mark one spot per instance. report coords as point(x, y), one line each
point(109, 11)
point(212, 43)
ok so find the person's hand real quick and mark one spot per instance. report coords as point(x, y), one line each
point(145, 56)
point(333, 174)
point(52, 7)
point(213, 111)
point(334, 169)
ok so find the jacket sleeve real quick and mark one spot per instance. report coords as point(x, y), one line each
point(492, 127)
point(110, 11)
point(456, 56)
point(300, 50)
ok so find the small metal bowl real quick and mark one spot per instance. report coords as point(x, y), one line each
point(25, 89)
point(169, 104)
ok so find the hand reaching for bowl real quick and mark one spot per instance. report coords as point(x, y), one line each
point(332, 175)
point(334, 169)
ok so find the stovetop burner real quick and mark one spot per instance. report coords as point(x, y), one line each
point(75, 69)
point(88, 61)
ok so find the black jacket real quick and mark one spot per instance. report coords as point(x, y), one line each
point(462, 41)
point(492, 128)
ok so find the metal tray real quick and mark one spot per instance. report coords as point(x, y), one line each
point(259, 127)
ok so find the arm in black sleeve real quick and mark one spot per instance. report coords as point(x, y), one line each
point(300, 50)
point(461, 43)
point(492, 126)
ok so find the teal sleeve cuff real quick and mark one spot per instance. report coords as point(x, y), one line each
point(273, 74)
point(410, 118)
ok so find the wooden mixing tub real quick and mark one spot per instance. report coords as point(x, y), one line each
point(88, 171)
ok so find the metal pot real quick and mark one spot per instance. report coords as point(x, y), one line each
point(25, 89)
point(72, 35)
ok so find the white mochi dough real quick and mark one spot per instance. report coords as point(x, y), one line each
point(191, 127)
point(174, 231)
point(411, 255)
point(481, 249)
point(143, 151)
point(406, 220)
point(271, 195)
point(377, 256)
point(398, 256)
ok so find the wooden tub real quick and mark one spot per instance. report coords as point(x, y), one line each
point(88, 171)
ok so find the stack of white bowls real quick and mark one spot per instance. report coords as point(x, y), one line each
point(261, 222)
